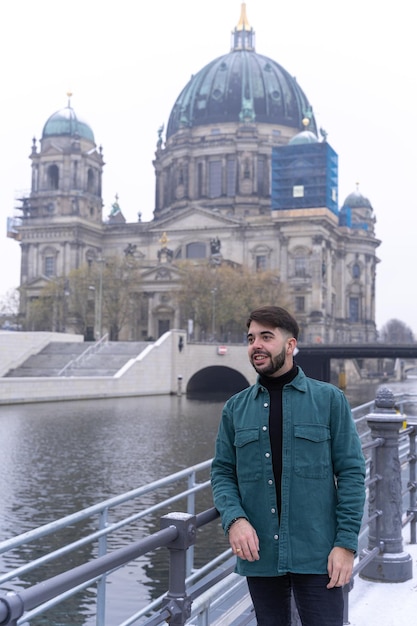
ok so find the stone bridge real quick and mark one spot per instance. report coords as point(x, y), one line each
point(222, 368)
point(171, 365)
point(226, 368)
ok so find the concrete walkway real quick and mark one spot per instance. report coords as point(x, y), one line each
point(386, 604)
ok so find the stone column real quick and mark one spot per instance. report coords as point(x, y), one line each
point(392, 564)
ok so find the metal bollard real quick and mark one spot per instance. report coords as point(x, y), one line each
point(179, 386)
point(392, 564)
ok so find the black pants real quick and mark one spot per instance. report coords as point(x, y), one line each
point(317, 605)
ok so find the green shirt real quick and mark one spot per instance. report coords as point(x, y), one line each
point(323, 473)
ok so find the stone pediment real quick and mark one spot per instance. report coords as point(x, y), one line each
point(194, 218)
point(161, 272)
point(38, 283)
point(52, 149)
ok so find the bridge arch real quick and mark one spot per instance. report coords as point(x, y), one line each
point(216, 379)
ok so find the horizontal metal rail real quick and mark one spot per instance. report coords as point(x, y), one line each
point(14, 604)
point(93, 349)
point(100, 511)
point(110, 503)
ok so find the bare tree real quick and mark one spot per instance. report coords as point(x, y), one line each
point(82, 300)
point(121, 279)
point(395, 331)
point(102, 294)
point(9, 309)
point(218, 299)
point(48, 312)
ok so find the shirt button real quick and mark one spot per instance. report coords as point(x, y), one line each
point(265, 404)
point(276, 537)
point(264, 428)
point(270, 482)
point(267, 455)
point(272, 510)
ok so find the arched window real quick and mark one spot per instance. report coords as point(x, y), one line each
point(215, 179)
point(49, 261)
point(354, 312)
point(300, 262)
point(196, 250)
point(181, 176)
point(261, 177)
point(231, 177)
point(49, 266)
point(300, 266)
point(200, 180)
point(53, 177)
point(75, 174)
point(90, 181)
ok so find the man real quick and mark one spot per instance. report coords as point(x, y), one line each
point(288, 481)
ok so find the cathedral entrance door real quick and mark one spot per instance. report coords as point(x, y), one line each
point(163, 327)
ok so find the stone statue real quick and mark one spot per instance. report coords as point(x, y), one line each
point(215, 245)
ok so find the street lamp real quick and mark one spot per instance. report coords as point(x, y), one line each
point(213, 312)
point(100, 299)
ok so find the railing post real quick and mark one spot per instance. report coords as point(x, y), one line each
point(176, 601)
point(392, 564)
point(412, 459)
point(102, 583)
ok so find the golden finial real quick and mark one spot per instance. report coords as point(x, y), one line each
point(69, 96)
point(164, 239)
point(243, 23)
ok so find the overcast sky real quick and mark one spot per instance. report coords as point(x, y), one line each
point(127, 61)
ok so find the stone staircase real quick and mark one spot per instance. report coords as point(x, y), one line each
point(79, 359)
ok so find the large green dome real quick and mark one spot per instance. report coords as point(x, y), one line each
point(66, 123)
point(241, 86)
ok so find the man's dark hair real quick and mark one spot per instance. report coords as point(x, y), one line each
point(274, 317)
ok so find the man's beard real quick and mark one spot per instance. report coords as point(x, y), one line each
point(275, 363)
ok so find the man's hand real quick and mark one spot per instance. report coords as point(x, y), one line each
point(339, 567)
point(244, 540)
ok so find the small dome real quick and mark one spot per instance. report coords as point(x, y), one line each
point(66, 123)
point(356, 200)
point(306, 136)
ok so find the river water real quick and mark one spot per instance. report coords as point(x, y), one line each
point(58, 458)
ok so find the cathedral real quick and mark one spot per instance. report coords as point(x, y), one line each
point(242, 176)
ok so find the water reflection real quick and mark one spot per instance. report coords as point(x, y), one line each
point(58, 458)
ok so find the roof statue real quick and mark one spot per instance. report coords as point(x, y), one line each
point(160, 131)
point(116, 215)
point(115, 207)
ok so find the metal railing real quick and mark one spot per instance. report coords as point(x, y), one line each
point(185, 485)
point(79, 360)
point(192, 592)
point(392, 443)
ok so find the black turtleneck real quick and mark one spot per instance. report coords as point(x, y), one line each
point(274, 387)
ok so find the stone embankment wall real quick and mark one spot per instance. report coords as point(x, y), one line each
point(16, 347)
point(155, 371)
point(150, 373)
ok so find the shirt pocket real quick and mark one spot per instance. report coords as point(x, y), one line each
point(312, 450)
point(248, 458)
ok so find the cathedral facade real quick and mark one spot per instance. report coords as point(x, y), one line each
point(241, 176)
